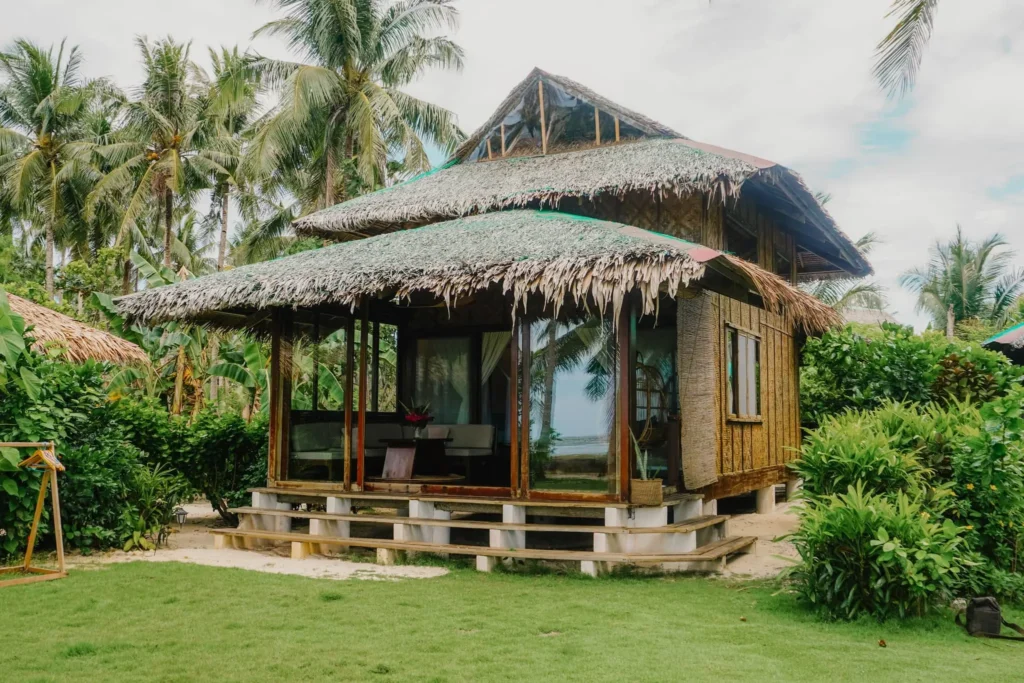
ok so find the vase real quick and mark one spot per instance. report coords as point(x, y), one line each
point(420, 433)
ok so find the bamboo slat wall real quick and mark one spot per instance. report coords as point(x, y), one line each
point(748, 445)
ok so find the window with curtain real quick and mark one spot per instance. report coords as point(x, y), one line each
point(743, 371)
point(443, 378)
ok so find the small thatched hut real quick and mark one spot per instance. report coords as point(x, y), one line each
point(77, 341)
point(600, 315)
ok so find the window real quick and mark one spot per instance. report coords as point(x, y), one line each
point(443, 378)
point(743, 370)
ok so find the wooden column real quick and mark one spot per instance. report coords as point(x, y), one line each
point(524, 436)
point(363, 341)
point(58, 527)
point(622, 399)
point(375, 390)
point(280, 396)
point(597, 125)
point(503, 139)
point(513, 407)
point(543, 120)
point(350, 362)
point(616, 129)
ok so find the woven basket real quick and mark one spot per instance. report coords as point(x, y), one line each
point(645, 492)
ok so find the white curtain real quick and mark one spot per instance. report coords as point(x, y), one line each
point(493, 347)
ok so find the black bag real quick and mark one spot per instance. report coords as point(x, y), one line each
point(985, 620)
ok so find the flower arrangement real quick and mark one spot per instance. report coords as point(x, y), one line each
point(417, 417)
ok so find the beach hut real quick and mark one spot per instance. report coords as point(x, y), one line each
point(76, 341)
point(577, 334)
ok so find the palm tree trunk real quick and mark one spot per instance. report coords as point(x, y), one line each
point(950, 322)
point(329, 180)
point(223, 251)
point(168, 220)
point(49, 257)
point(126, 277)
point(550, 361)
point(179, 382)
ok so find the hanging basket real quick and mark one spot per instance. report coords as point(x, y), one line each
point(645, 492)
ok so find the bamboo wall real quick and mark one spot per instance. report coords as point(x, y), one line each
point(746, 446)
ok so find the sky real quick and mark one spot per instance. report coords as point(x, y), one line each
point(788, 80)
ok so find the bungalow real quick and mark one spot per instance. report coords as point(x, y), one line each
point(567, 342)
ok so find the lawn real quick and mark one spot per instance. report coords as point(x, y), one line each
point(177, 622)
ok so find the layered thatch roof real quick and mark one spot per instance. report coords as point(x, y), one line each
point(557, 256)
point(659, 163)
point(637, 120)
point(78, 341)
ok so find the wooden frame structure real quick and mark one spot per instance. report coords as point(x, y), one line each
point(44, 458)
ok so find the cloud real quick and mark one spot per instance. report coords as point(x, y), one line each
point(789, 80)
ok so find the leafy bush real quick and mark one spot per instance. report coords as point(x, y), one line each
point(845, 370)
point(863, 554)
point(988, 480)
point(852, 450)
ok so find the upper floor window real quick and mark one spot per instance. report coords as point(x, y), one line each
point(743, 372)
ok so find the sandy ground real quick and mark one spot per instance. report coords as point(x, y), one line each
point(769, 556)
point(194, 544)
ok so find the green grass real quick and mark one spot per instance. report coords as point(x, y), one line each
point(176, 622)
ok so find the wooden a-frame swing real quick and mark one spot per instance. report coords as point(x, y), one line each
point(44, 458)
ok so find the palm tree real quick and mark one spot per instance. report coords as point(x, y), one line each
point(168, 146)
point(343, 112)
point(966, 279)
point(899, 54)
point(847, 292)
point(233, 105)
point(43, 102)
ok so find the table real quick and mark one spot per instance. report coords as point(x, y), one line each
point(406, 458)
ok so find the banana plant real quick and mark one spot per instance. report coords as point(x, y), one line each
point(249, 367)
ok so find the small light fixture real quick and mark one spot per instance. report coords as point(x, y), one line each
point(179, 516)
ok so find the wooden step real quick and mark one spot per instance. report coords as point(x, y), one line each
point(709, 552)
point(384, 496)
point(683, 527)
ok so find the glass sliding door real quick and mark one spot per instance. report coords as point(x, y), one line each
point(444, 378)
point(573, 391)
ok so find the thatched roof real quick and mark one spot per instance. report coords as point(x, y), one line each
point(637, 120)
point(78, 341)
point(555, 255)
point(660, 162)
point(1009, 342)
point(868, 316)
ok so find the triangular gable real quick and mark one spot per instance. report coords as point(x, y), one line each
point(572, 115)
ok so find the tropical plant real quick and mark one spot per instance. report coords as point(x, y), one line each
point(899, 54)
point(345, 103)
point(168, 146)
point(44, 104)
point(965, 279)
point(249, 367)
point(864, 554)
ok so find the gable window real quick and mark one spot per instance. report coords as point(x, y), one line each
point(743, 372)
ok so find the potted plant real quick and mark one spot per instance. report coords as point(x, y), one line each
point(643, 491)
point(418, 417)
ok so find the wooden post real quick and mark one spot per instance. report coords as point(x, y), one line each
point(616, 129)
point(350, 361)
point(503, 139)
point(597, 126)
point(363, 340)
point(58, 528)
point(490, 154)
point(36, 517)
point(543, 121)
point(274, 447)
point(622, 401)
point(524, 436)
point(375, 365)
point(513, 402)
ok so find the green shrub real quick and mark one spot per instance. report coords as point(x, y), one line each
point(969, 372)
point(863, 554)
point(988, 481)
point(851, 450)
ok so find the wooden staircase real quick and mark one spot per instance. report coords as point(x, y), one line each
point(694, 542)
